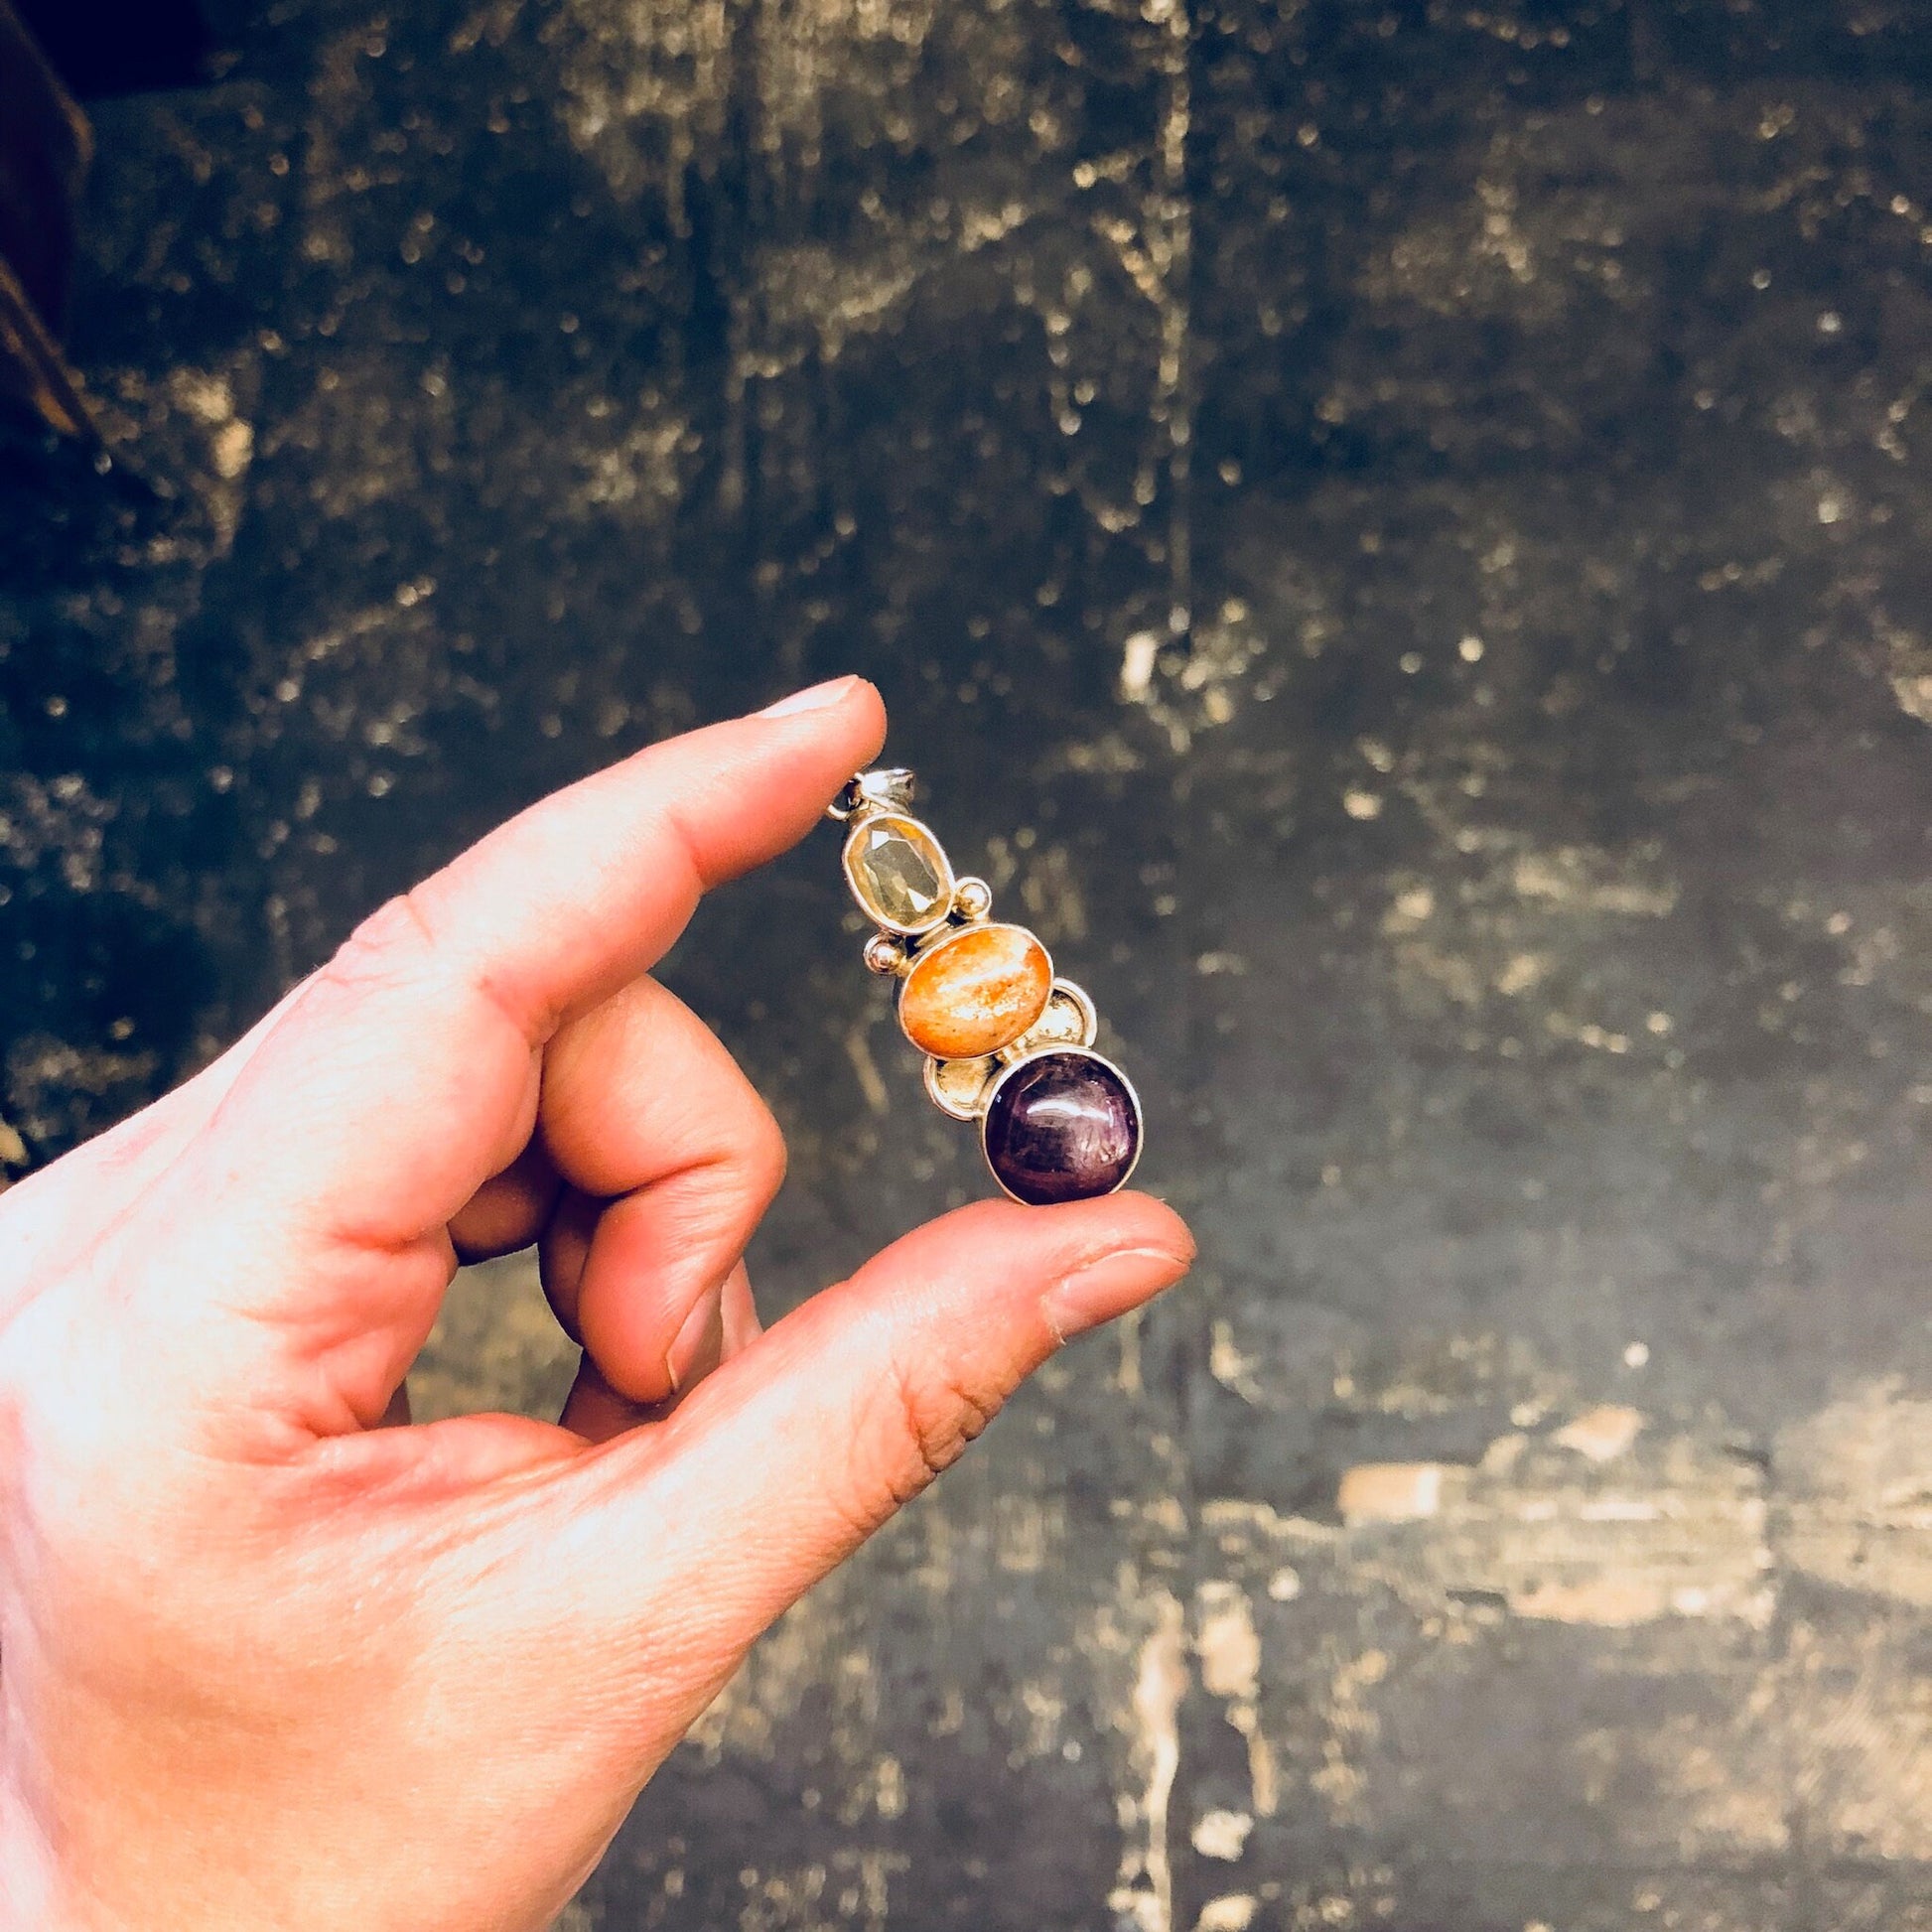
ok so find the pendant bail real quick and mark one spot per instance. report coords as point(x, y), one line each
point(887, 788)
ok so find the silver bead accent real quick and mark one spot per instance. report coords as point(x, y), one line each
point(884, 955)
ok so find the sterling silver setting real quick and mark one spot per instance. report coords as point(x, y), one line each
point(1008, 1042)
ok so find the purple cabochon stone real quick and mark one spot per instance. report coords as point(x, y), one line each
point(1062, 1126)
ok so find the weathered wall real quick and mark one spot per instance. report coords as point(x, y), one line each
point(1400, 535)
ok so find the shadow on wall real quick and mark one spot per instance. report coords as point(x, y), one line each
point(51, 56)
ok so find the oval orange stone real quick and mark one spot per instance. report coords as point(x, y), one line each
point(976, 992)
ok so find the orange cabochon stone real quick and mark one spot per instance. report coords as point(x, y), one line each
point(976, 992)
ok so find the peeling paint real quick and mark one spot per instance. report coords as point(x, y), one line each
point(1391, 1492)
point(1222, 1834)
point(1144, 1892)
point(1231, 1912)
point(1602, 1433)
point(1858, 1511)
point(1683, 1536)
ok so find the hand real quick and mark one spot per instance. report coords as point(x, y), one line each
point(265, 1662)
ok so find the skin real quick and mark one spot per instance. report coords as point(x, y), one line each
point(267, 1661)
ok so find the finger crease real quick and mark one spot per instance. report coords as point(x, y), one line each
point(532, 1028)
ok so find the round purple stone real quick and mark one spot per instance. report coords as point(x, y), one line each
point(1062, 1126)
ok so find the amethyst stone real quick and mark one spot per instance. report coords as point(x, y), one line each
point(1062, 1126)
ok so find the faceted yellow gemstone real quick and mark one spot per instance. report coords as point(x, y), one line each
point(898, 873)
point(975, 992)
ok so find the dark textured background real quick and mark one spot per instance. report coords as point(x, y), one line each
point(1400, 536)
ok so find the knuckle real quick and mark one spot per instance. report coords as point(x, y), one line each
point(939, 1412)
point(729, 1183)
point(393, 946)
point(405, 947)
point(738, 1155)
point(764, 1151)
point(917, 1421)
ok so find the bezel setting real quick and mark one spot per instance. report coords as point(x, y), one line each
point(1137, 1120)
point(864, 824)
point(941, 943)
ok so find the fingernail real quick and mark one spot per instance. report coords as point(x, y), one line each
point(700, 1343)
point(1109, 1287)
point(816, 697)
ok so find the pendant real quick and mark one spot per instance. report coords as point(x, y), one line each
point(1008, 1044)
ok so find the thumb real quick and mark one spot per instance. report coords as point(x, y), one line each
point(783, 1461)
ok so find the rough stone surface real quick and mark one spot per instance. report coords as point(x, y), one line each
point(1507, 886)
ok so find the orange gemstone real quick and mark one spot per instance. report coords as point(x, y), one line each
point(976, 992)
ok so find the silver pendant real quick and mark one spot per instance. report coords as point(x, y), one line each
point(1007, 1043)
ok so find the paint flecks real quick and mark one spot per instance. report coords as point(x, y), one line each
point(1225, 1641)
point(1222, 1834)
point(1144, 1893)
point(1231, 1912)
point(1602, 1433)
point(1390, 1492)
point(1228, 1648)
point(1859, 1512)
point(1682, 1533)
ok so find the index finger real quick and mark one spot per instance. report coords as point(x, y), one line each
point(406, 1072)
